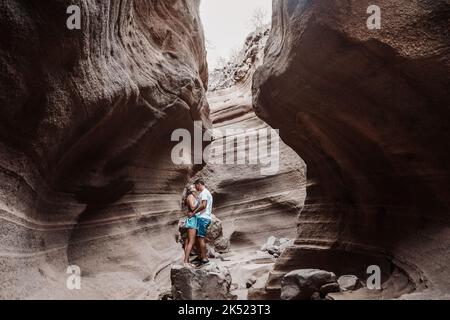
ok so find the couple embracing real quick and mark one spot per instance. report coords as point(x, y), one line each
point(198, 201)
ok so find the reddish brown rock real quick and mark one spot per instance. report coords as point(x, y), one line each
point(368, 112)
point(85, 124)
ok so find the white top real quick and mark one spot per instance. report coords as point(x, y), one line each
point(206, 195)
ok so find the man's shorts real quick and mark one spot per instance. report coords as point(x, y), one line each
point(202, 226)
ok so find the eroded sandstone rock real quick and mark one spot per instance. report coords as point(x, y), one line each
point(85, 124)
point(368, 112)
point(207, 283)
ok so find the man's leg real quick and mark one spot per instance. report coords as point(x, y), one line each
point(203, 225)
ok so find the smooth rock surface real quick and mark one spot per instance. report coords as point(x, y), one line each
point(85, 150)
point(348, 282)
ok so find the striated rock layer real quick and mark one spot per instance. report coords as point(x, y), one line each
point(85, 124)
point(368, 112)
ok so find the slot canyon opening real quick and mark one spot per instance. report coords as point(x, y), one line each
point(252, 206)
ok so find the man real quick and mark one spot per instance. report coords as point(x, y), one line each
point(203, 213)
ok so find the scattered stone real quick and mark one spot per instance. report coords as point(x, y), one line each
point(329, 288)
point(262, 294)
point(222, 244)
point(250, 282)
point(165, 295)
point(272, 241)
point(275, 246)
point(211, 252)
point(273, 250)
point(316, 296)
point(210, 282)
point(349, 282)
point(301, 284)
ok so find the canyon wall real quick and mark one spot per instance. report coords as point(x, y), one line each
point(368, 112)
point(86, 121)
point(85, 124)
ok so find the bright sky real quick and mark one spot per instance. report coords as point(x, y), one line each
point(227, 23)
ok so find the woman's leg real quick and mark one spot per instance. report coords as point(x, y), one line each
point(186, 244)
point(189, 244)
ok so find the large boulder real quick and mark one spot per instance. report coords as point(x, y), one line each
point(349, 282)
point(302, 284)
point(215, 230)
point(276, 246)
point(210, 282)
point(86, 118)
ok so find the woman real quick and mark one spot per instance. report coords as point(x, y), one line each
point(191, 202)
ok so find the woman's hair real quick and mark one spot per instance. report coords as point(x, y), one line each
point(186, 193)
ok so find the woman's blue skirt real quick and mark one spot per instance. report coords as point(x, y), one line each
point(191, 223)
